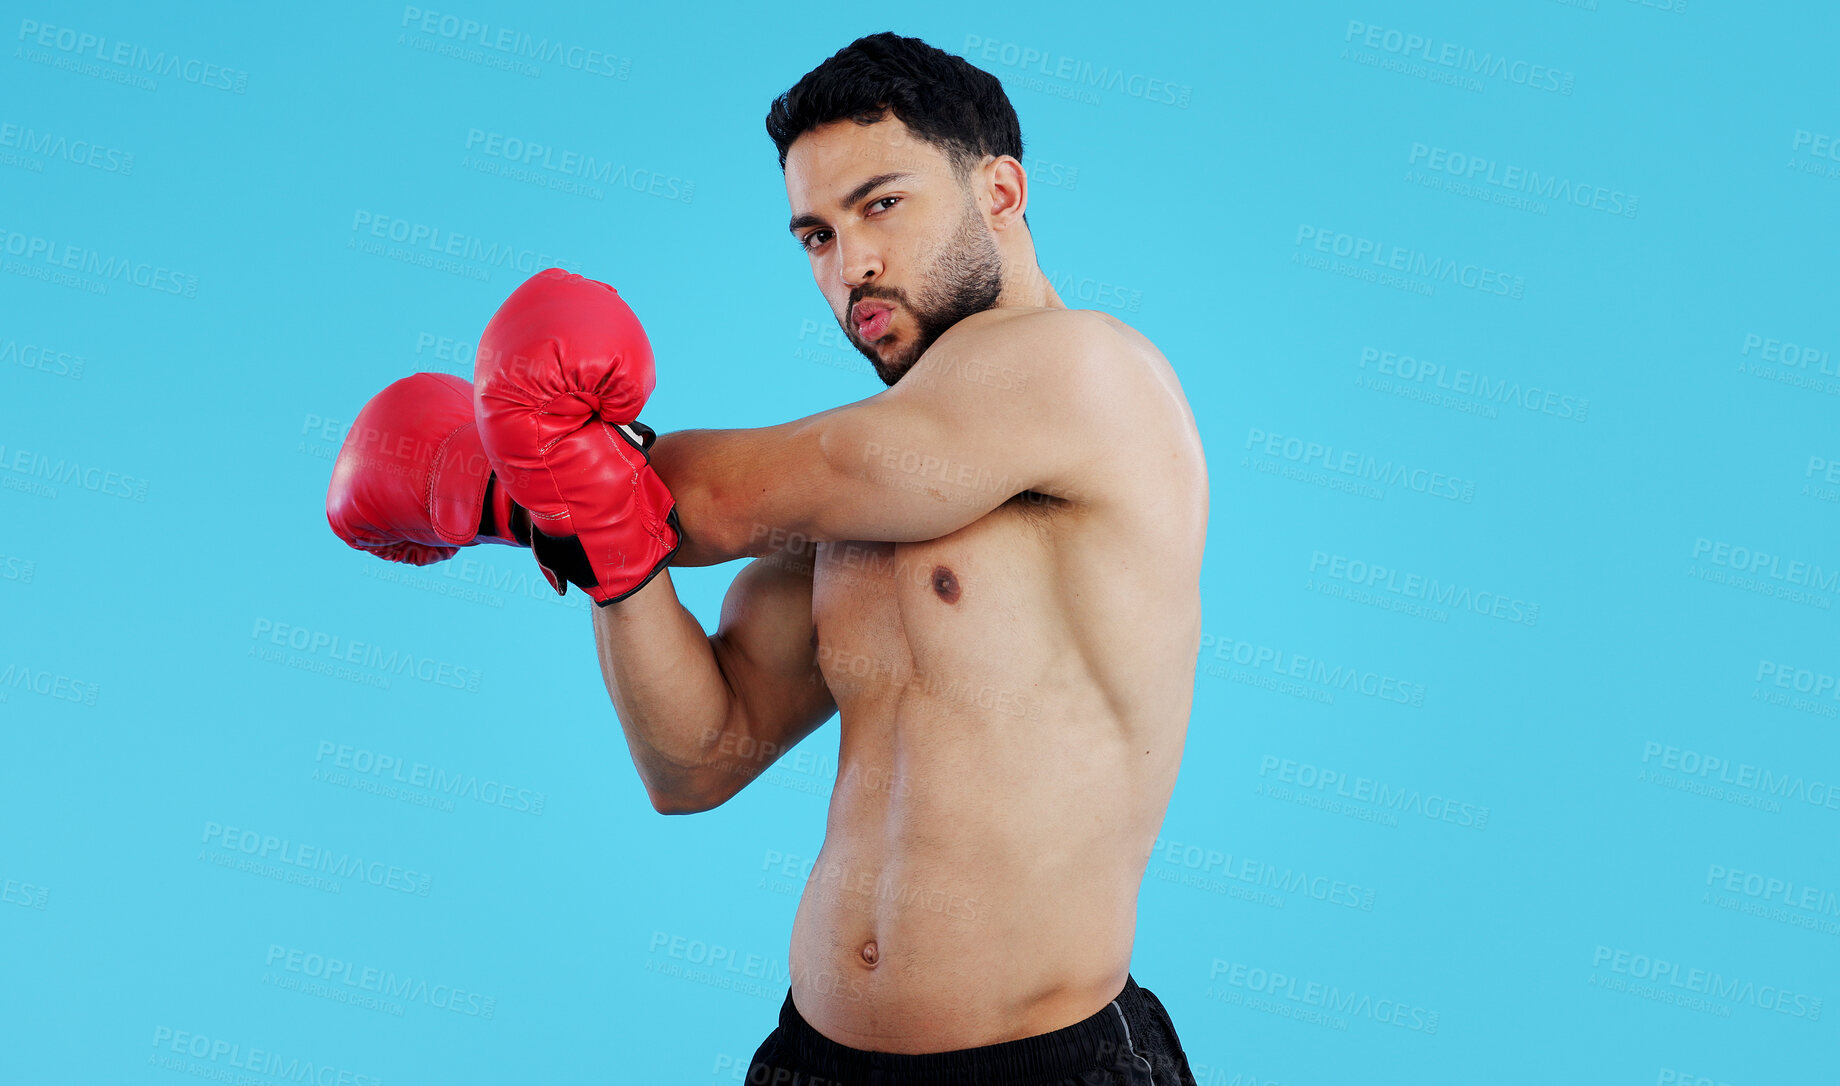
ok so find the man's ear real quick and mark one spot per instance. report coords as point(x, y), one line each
point(1006, 186)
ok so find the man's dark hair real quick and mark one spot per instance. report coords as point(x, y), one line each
point(941, 98)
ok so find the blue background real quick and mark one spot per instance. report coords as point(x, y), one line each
point(193, 307)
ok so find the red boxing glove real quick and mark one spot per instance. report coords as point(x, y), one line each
point(563, 370)
point(412, 482)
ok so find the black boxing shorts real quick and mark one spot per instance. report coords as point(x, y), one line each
point(1128, 1042)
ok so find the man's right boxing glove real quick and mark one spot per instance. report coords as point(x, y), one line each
point(562, 371)
point(411, 483)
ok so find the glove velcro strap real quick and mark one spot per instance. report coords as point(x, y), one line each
point(647, 436)
point(677, 535)
point(565, 561)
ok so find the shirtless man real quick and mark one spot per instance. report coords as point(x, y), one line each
point(989, 571)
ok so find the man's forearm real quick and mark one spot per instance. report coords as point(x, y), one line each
point(667, 687)
point(731, 488)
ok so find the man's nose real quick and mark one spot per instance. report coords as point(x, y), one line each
point(859, 264)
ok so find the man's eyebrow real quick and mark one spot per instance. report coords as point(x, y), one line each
point(808, 219)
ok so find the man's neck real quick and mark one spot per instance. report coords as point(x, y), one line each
point(1029, 288)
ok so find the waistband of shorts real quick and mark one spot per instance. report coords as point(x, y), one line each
point(1058, 1054)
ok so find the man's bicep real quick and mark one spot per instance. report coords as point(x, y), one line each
point(928, 457)
point(765, 644)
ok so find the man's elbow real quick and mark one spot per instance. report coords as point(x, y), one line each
point(679, 802)
point(686, 797)
point(673, 804)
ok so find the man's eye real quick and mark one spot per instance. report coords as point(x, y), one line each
point(887, 200)
point(814, 239)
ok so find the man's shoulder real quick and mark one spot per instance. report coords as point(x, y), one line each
point(1022, 327)
point(1012, 347)
point(1065, 377)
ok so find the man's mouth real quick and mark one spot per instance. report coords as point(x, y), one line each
point(871, 319)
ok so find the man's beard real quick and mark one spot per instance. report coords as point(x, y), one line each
point(965, 279)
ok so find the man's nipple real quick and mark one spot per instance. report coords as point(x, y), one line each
point(945, 584)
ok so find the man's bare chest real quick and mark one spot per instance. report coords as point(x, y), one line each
point(890, 617)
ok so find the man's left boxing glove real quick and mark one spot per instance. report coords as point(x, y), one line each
point(563, 369)
point(412, 483)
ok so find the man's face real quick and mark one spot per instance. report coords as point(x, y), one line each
point(897, 244)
